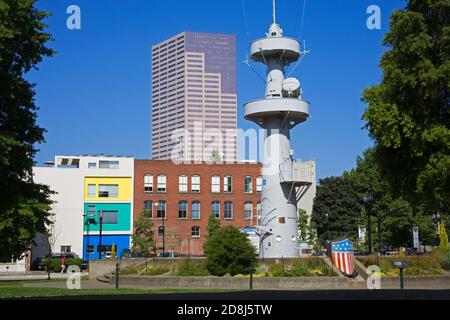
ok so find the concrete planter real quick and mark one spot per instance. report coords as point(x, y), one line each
point(281, 283)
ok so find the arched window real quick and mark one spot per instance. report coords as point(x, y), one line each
point(148, 183)
point(148, 209)
point(215, 184)
point(162, 183)
point(248, 184)
point(183, 184)
point(195, 232)
point(161, 211)
point(195, 210)
point(228, 184)
point(195, 184)
point(228, 210)
point(248, 209)
point(182, 210)
point(215, 209)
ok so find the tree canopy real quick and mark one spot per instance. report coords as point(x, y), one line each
point(408, 114)
point(229, 251)
point(24, 205)
point(143, 241)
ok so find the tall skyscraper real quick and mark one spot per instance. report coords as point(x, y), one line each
point(194, 100)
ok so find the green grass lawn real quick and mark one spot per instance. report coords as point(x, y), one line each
point(16, 289)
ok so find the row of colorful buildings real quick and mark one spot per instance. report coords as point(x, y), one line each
point(98, 199)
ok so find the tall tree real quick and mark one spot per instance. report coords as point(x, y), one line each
point(143, 240)
point(408, 113)
point(24, 205)
point(336, 209)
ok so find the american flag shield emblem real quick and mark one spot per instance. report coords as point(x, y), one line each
point(342, 255)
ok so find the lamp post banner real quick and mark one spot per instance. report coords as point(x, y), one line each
point(416, 237)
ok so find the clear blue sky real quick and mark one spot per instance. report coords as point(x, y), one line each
point(94, 94)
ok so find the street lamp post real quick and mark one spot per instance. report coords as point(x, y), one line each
point(100, 236)
point(437, 220)
point(368, 200)
point(163, 227)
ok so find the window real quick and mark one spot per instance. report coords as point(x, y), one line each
point(161, 212)
point(92, 190)
point(108, 190)
point(182, 210)
point(259, 184)
point(248, 188)
point(248, 208)
point(148, 209)
point(227, 184)
point(195, 232)
point(215, 209)
point(106, 248)
point(90, 249)
point(160, 231)
point(195, 210)
point(110, 217)
point(108, 164)
point(90, 211)
point(148, 183)
point(92, 165)
point(195, 183)
point(66, 248)
point(162, 181)
point(182, 183)
point(228, 210)
point(215, 184)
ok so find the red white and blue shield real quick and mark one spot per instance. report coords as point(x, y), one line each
point(342, 255)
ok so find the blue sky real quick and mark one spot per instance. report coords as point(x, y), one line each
point(94, 94)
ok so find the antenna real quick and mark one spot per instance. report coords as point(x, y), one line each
point(274, 9)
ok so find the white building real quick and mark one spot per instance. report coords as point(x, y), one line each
point(68, 176)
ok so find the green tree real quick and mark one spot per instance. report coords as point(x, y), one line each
point(303, 225)
point(24, 205)
point(229, 251)
point(408, 113)
point(396, 226)
point(143, 240)
point(213, 226)
point(335, 199)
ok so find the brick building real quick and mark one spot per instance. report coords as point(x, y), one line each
point(187, 194)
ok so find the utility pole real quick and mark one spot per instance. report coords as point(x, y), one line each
point(100, 249)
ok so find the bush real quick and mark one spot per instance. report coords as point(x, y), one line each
point(54, 264)
point(154, 270)
point(229, 251)
point(418, 265)
point(307, 267)
point(189, 267)
point(444, 258)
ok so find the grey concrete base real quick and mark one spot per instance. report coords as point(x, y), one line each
point(417, 282)
point(288, 283)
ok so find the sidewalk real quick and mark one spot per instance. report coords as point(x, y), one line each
point(34, 276)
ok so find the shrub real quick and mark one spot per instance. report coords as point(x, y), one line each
point(444, 258)
point(154, 270)
point(54, 264)
point(229, 251)
point(189, 267)
point(418, 265)
point(301, 268)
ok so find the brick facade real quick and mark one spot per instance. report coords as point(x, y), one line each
point(178, 232)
